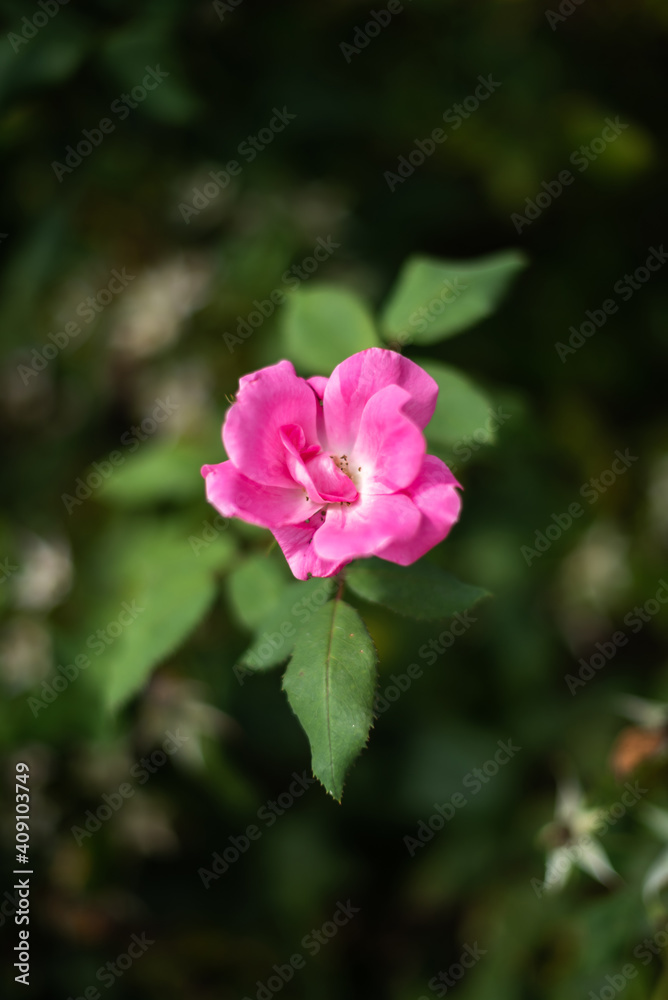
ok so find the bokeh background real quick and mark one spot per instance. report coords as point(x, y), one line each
point(159, 335)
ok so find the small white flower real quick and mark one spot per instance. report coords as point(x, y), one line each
point(656, 878)
point(570, 841)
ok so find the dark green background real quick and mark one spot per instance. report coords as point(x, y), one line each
point(322, 176)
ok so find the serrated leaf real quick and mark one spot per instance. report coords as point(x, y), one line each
point(323, 325)
point(330, 684)
point(434, 299)
point(419, 591)
point(277, 631)
point(462, 410)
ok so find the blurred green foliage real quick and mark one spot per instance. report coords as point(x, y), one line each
point(89, 357)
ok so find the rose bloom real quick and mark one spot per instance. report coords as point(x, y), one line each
point(336, 467)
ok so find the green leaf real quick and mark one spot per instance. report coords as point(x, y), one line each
point(278, 629)
point(255, 588)
point(130, 52)
point(172, 604)
point(160, 592)
point(461, 409)
point(330, 684)
point(419, 591)
point(323, 325)
point(434, 299)
point(157, 471)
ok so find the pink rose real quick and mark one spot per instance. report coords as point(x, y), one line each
point(336, 467)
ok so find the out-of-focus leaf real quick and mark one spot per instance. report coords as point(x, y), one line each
point(141, 50)
point(419, 591)
point(255, 588)
point(461, 409)
point(278, 629)
point(50, 58)
point(156, 471)
point(435, 299)
point(161, 590)
point(323, 325)
point(330, 685)
point(172, 603)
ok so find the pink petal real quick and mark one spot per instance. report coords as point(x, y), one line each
point(435, 496)
point(266, 401)
point(330, 483)
point(318, 383)
point(365, 527)
point(293, 438)
point(358, 378)
point(234, 495)
point(389, 448)
point(297, 545)
point(315, 470)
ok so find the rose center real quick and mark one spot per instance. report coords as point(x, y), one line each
point(347, 467)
